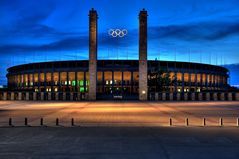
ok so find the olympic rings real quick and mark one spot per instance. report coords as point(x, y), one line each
point(117, 33)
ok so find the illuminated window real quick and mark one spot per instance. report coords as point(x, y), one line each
point(71, 77)
point(42, 77)
point(193, 77)
point(186, 77)
point(204, 78)
point(63, 78)
point(136, 76)
point(80, 79)
point(73, 83)
point(48, 77)
point(108, 76)
point(81, 89)
point(117, 78)
point(127, 76)
point(31, 79)
point(99, 77)
point(36, 77)
point(26, 79)
point(179, 76)
point(56, 78)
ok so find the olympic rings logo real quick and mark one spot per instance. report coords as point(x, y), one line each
point(117, 33)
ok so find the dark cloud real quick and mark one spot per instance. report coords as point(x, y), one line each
point(207, 31)
point(190, 32)
point(66, 44)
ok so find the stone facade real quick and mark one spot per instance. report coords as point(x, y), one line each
point(92, 54)
point(143, 65)
point(208, 96)
point(215, 97)
point(20, 96)
point(12, 95)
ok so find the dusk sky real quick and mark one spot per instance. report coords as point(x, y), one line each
point(203, 31)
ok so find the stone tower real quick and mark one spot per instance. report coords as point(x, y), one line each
point(92, 53)
point(143, 66)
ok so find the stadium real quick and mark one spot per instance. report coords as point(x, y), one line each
point(107, 79)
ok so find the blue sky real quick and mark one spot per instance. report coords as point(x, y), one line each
point(204, 31)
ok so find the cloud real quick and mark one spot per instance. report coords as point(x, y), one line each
point(192, 33)
point(204, 31)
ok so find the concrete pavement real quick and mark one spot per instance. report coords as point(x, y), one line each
point(119, 130)
point(106, 113)
point(119, 142)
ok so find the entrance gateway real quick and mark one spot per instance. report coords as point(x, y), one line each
point(116, 87)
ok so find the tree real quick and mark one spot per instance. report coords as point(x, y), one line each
point(159, 80)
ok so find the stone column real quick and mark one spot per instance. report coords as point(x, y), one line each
point(237, 96)
point(12, 95)
point(200, 96)
point(92, 54)
point(193, 96)
point(222, 96)
point(57, 96)
point(64, 95)
point(34, 96)
point(27, 95)
point(178, 96)
point(4, 95)
point(156, 96)
point(185, 96)
point(42, 95)
point(215, 96)
point(143, 66)
point(49, 95)
point(78, 96)
point(171, 96)
point(71, 96)
point(19, 95)
point(229, 96)
point(208, 96)
point(163, 96)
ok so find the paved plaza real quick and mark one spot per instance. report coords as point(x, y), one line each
point(107, 113)
point(119, 130)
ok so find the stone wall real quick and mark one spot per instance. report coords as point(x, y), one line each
point(220, 96)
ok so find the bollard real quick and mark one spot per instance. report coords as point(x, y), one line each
point(57, 122)
point(186, 122)
point(170, 122)
point(10, 122)
point(72, 122)
point(220, 122)
point(25, 122)
point(204, 122)
point(41, 122)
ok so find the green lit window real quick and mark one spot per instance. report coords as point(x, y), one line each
point(73, 83)
point(81, 83)
point(82, 89)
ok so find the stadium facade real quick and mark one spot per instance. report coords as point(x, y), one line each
point(106, 79)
